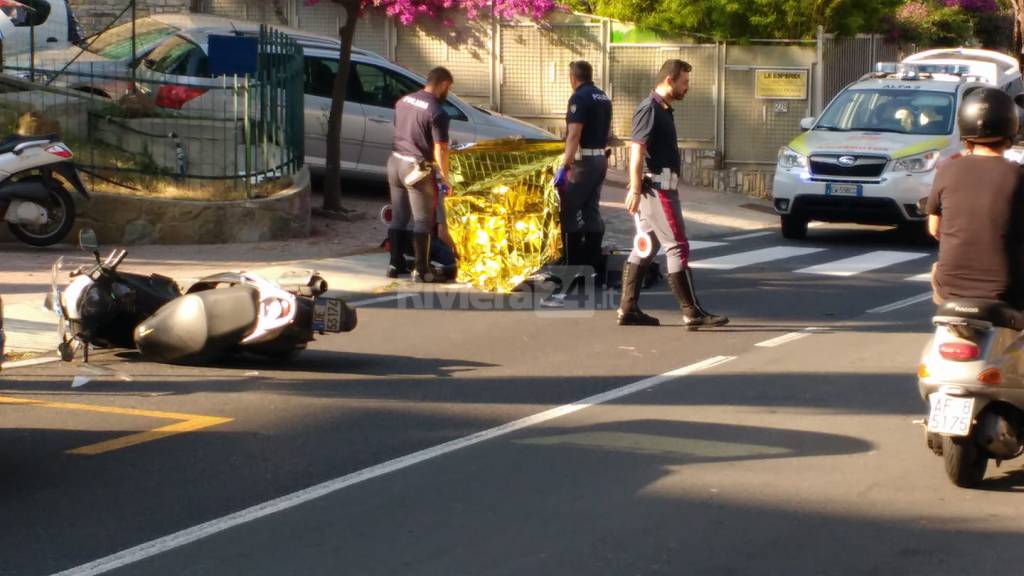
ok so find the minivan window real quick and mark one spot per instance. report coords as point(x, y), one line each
point(889, 110)
point(383, 88)
point(29, 13)
point(116, 43)
point(319, 78)
point(179, 57)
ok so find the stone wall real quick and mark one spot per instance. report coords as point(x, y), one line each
point(127, 220)
point(97, 14)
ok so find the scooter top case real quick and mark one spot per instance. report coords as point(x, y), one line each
point(198, 326)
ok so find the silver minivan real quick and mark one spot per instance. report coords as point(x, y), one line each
point(375, 85)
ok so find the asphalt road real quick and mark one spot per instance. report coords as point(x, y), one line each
point(762, 447)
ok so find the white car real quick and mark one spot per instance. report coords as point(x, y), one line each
point(871, 155)
point(182, 62)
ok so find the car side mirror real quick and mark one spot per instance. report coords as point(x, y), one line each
point(807, 123)
point(87, 241)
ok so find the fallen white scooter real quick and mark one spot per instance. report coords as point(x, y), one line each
point(971, 376)
point(35, 172)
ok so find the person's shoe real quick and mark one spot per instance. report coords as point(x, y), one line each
point(637, 317)
point(704, 320)
point(395, 272)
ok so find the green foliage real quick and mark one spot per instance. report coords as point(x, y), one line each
point(954, 23)
point(745, 19)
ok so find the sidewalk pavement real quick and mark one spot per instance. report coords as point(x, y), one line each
point(347, 254)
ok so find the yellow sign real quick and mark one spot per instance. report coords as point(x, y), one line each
point(780, 84)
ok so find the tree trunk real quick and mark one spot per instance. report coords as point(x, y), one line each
point(332, 179)
point(1018, 30)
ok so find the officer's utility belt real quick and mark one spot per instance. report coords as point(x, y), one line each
point(421, 169)
point(582, 153)
point(665, 180)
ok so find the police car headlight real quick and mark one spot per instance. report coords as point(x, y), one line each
point(920, 163)
point(788, 158)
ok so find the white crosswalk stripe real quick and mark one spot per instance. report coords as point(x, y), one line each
point(741, 259)
point(862, 263)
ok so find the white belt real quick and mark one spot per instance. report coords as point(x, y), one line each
point(588, 152)
point(407, 158)
point(666, 180)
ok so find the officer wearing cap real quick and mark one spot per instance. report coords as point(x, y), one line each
point(584, 166)
point(420, 152)
point(653, 195)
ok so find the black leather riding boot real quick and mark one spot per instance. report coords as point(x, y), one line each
point(693, 315)
point(629, 311)
point(397, 265)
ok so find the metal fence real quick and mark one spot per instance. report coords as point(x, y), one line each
point(521, 69)
point(146, 133)
point(847, 59)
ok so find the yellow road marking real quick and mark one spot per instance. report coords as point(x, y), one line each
point(186, 423)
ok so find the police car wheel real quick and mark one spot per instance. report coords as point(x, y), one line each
point(794, 228)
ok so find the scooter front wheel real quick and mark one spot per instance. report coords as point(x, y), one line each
point(964, 459)
point(61, 210)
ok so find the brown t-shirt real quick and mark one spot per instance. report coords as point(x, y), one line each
point(981, 231)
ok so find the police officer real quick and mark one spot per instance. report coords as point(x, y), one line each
point(584, 166)
point(653, 194)
point(420, 150)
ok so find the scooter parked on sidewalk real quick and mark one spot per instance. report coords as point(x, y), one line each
point(105, 307)
point(35, 172)
point(971, 376)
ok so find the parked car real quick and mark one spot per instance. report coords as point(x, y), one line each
point(54, 21)
point(182, 61)
point(102, 63)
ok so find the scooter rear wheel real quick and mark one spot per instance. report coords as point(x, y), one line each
point(964, 459)
point(61, 208)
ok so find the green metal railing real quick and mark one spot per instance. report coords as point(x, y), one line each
point(230, 137)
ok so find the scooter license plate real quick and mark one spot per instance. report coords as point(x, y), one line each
point(328, 314)
point(951, 415)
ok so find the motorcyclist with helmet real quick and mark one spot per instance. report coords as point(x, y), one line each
point(976, 206)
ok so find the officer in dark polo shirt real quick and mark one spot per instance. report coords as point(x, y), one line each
point(976, 207)
point(653, 194)
point(584, 167)
point(420, 151)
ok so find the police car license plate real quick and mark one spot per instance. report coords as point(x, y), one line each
point(950, 415)
point(844, 189)
point(327, 315)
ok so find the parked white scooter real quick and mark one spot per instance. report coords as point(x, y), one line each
point(971, 376)
point(35, 172)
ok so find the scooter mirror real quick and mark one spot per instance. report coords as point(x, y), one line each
point(87, 240)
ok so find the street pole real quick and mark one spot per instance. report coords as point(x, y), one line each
point(134, 55)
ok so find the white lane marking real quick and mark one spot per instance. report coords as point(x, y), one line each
point(787, 338)
point(370, 301)
point(863, 263)
point(741, 259)
point(901, 304)
point(926, 277)
point(698, 245)
point(189, 535)
point(751, 235)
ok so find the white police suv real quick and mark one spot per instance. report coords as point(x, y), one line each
point(871, 155)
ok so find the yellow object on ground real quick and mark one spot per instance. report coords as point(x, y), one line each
point(502, 213)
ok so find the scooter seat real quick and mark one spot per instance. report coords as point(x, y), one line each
point(8, 144)
point(999, 313)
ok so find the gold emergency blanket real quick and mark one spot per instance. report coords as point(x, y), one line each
point(502, 213)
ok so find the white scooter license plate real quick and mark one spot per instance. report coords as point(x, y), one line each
point(327, 315)
point(950, 415)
